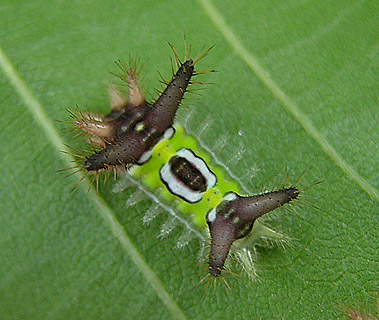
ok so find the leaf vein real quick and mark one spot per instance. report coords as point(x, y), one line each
point(286, 101)
point(35, 107)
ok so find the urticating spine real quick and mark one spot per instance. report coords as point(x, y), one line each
point(136, 129)
point(234, 219)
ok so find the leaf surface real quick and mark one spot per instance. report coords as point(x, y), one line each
point(297, 89)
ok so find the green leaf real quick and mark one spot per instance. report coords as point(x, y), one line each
point(297, 89)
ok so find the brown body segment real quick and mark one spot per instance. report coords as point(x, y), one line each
point(234, 219)
point(136, 129)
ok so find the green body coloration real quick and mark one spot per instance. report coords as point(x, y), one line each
point(141, 137)
point(149, 178)
point(148, 173)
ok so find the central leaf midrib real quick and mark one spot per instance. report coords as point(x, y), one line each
point(35, 107)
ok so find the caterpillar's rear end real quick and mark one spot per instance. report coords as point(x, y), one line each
point(234, 219)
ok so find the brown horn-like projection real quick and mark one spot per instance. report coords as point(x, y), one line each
point(234, 218)
point(164, 109)
point(138, 128)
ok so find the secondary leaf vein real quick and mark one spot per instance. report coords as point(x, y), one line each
point(286, 101)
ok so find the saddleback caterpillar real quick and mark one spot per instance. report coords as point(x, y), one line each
point(144, 139)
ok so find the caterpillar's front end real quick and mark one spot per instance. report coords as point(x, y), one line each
point(133, 130)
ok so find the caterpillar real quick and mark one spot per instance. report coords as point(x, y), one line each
point(144, 139)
